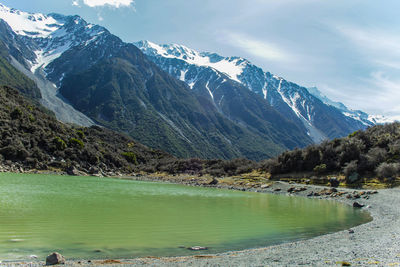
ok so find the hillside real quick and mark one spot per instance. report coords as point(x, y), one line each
point(10, 76)
point(224, 80)
point(372, 153)
point(32, 139)
point(89, 76)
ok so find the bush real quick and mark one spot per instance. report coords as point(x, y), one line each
point(130, 157)
point(320, 168)
point(76, 143)
point(59, 143)
point(350, 171)
point(80, 134)
point(387, 170)
point(16, 114)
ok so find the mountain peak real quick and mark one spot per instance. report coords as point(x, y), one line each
point(29, 24)
point(231, 66)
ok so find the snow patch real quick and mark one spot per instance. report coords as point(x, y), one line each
point(29, 24)
point(231, 66)
point(183, 75)
point(209, 91)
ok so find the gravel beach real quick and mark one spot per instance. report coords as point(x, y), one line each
point(376, 243)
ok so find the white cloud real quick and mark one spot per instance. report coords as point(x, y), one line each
point(75, 3)
point(256, 47)
point(377, 45)
point(112, 3)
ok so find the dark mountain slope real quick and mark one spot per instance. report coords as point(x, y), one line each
point(34, 140)
point(129, 93)
point(117, 86)
point(10, 76)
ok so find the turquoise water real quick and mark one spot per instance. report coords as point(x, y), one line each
point(88, 217)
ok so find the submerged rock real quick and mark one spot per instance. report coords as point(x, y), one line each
point(198, 248)
point(55, 258)
point(357, 205)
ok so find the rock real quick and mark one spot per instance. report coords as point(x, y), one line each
point(33, 256)
point(197, 248)
point(55, 258)
point(334, 182)
point(265, 186)
point(71, 170)
point(356, 195)
point(357, 205)
point(277, 189)
point(351, 231)
point(310, 194)
point(93, 170)
point(214, 181)
point(15, 240)
point(291, 189)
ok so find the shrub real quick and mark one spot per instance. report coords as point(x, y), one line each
point(31, 118)
point(387, 170)
point(59, 143)
point(130, 157)
point(320, 168)
point(80, 134)
point(77, 143)
point(350, 171)
point(16, 114)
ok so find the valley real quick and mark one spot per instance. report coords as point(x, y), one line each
point(121, 153)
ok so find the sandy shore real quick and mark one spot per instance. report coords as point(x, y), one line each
point(376, 243)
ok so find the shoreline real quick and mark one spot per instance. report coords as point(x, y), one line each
point(373, 243)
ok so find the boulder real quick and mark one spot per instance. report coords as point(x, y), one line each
point(334, 182)
point(72, 171)
point(357, 205)
point(55, 258)
point(291, 189)
point(213, 181)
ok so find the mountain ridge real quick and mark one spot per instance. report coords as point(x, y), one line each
point(293, 101)
point(125, 91)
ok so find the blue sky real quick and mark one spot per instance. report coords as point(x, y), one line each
point(349, 49)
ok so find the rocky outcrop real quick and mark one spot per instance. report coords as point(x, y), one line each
point(55, 258)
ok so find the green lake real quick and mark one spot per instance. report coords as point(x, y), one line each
point(89, 217)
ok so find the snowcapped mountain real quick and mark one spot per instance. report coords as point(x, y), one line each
point(368, 120)
point(87, 75)
point(37, 40)
point(320, 117)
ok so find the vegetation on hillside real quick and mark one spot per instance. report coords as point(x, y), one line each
point(130, 94)
point(374, 152)
point(10, 76)
point(35, 140)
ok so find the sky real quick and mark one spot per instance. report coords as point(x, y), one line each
point(349, 49)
